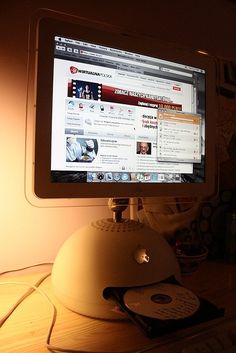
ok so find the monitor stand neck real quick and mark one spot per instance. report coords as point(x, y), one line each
point(117, 206)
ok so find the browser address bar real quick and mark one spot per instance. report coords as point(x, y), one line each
point(126, 61)
point(177, 72)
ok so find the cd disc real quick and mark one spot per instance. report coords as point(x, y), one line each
point(162, 301)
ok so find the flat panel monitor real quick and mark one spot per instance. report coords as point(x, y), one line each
point(120, 115)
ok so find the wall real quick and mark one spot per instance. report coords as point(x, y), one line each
point(30, 234)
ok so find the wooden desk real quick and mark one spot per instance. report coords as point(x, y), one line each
point(26, 330)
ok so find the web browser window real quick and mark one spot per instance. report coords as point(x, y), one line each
point(119, 116)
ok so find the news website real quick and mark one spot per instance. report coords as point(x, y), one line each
point(121, 116)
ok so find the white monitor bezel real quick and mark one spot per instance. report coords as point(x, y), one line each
point(49, 26)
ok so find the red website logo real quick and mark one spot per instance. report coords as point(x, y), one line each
point(73, 70)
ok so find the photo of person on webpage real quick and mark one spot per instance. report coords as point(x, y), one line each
point(83, 89)
point(80, 150)
point(143, 148)
point(87, 93)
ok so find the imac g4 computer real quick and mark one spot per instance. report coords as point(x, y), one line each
point(117, 115)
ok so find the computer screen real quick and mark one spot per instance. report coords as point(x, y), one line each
point(119, 115)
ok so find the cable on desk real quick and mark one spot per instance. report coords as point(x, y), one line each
point(26, 267)
point(23, 297)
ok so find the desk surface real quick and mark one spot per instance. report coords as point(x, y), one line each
point(26, 329)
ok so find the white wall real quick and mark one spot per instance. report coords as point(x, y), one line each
point(30, 234)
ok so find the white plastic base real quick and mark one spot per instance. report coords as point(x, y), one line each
point(107, 254)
